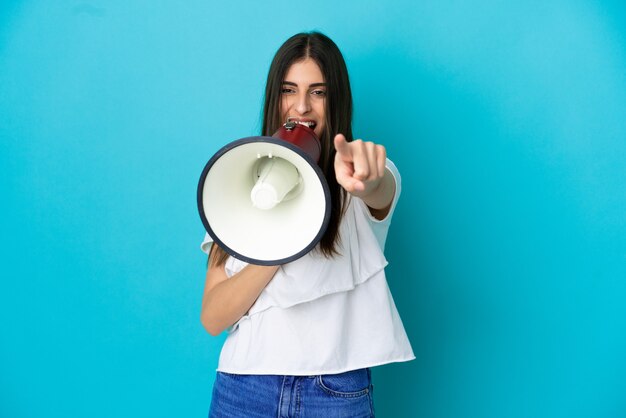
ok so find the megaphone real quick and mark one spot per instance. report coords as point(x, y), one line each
point(265, 200)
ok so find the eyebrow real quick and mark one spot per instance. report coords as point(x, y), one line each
point(291, 83)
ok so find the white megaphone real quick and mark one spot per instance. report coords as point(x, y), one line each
point(265, 200)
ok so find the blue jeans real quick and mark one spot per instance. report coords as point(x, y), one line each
point(346, 394)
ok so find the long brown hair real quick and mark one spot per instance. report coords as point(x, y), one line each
point(338, 115)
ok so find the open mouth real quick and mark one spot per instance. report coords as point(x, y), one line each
point(308, 123)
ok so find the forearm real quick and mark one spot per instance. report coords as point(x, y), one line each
point(229, 300)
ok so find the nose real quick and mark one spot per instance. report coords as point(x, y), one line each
point(303, 104)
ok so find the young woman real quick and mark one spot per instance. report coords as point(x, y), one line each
point(302, 336)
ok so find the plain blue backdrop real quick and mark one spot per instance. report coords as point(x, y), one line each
point(507, 251)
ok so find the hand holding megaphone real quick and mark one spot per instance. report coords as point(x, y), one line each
point(359, 165)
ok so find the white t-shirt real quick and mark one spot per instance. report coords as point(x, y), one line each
point(320, 315)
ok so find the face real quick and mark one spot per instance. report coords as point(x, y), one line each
point(303, 95)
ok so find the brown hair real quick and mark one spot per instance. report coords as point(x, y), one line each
point(338, 115)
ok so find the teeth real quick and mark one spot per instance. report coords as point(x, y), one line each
point(308, 124)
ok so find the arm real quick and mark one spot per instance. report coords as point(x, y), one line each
point(379, 201)
point(361, 171)
point(226, 300)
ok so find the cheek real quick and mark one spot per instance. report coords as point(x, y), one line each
point(285, 105)
point(321, 112)
point(321, 108)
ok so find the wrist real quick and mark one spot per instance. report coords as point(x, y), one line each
point(382, 194)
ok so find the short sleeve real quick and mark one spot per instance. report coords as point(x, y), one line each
point(206, 243)
point(380, 227)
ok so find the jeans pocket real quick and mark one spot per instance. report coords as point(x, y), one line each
point(350, 384)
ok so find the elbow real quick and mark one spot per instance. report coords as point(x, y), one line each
point(213, 331)
point(211, 327)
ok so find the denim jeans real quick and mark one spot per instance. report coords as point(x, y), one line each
point(348, 394)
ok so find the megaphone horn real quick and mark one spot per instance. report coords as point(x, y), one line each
point(265, 200)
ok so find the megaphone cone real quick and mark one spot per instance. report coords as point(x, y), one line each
point(265, 200)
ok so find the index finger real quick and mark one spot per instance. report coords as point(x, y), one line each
point(342, 147)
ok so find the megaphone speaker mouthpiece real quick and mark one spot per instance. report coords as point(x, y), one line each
point(276, 178)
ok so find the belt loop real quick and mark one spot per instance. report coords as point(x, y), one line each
point(284, 404)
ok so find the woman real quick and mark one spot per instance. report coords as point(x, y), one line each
point(302, 336)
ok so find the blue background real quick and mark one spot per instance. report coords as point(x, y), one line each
point(507, 252)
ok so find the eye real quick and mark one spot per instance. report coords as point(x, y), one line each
point(287, 90)
point(319, 92)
